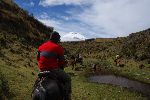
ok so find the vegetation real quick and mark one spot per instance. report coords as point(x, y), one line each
point(21, 80)
point(20, 34)
point(4, 87)
point(82, 89)
point(137, 46)
point(16, 21)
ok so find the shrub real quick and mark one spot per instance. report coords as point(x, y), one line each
point(4, 88)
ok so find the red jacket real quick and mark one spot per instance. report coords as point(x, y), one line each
point(50, 56)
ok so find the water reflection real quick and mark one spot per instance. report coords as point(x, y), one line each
point(124, 82)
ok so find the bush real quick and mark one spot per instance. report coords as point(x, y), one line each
point(4, 88)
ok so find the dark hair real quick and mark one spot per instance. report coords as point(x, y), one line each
point(55, 37)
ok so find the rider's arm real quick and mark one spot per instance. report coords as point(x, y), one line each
point(61, 59)
point(38, 56)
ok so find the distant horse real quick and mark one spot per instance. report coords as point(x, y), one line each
point(73, 61)
point(119, 61)
point(94, 67)
point(79, 60)
point(47, 88)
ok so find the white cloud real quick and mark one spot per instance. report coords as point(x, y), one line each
point(52, 22)
point(104, 18)
point(66, 18)
point(48, 22)
point(118, 17)
point(44, 15)
point(61, 2)
point(63, 27)
point(32, 4)
point(28, 4)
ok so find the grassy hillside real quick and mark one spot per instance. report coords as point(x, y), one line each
point(21, 33)
point(137, 45)
point(104, 39)
point(17, 22)
point(19, 82)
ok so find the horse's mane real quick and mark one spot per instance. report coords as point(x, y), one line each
point(48, 90)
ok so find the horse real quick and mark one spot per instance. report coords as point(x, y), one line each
point(47, 88)
point(79, 60)
point(74, 61)
point(94, 67)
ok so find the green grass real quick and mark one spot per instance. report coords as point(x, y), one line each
point(84, 90)
point(131, 70)
point(4, 88)
point(20, 81)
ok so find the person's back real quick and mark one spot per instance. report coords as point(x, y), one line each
point(49, 53)
point(51, 58)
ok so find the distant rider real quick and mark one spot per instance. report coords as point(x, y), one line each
point(117, 60)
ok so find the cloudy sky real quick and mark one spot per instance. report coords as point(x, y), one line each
point(91, 18)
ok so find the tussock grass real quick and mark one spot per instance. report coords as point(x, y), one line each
point(130, 70)
point(4, 88)
point(84, 90)
point(20, 81)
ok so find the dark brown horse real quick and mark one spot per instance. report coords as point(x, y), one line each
point(79, 60)
point(74, 60)
point(47, 88)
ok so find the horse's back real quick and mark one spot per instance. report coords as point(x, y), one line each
point(53, 89)
point(49, 90)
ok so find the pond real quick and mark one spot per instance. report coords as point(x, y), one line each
point(122, 81)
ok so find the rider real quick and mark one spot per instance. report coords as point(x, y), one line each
point(80, 59)
point(117, 60)
point(51, 58)
point(79, 56)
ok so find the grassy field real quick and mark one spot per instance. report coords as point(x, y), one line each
point(83, 90)
point(18, 68)
point(20, 81)
point(131, 70)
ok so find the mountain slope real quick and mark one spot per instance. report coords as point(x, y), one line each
point(137, 45)
point(16, 21)
point(20, 34)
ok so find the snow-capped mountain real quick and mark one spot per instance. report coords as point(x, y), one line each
point(72, 36)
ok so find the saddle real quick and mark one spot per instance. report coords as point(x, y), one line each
point(48, 74)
